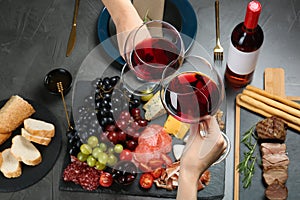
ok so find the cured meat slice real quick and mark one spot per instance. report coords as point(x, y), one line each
point(276, 173)
point(271, 128)
point(152, 142)
point(276, 191)
point(272, 148)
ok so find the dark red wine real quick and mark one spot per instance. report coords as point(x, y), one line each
point(190, 96)
point(152, 56)
point(246, 40)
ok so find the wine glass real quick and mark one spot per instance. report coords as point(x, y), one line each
point(193, 93)
point(148, 51)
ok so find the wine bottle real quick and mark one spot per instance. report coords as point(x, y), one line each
point(246, 41)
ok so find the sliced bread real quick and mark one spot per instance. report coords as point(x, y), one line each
point(39, 127)
point(9, 165)
point(35, 138)
point(25, 151)
point(13, 113)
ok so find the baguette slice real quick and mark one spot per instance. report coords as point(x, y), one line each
point(25, 151)
point(39, 127)
point(35, 138)
point(13, 113)
point(9, 165)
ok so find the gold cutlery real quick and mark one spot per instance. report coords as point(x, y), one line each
point(72, 37)
point(218, 50)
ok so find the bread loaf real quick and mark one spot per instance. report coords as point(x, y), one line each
point(25, 151)
point(35, 138)
point(9, 165)
point(13, 113)
point(39, 127)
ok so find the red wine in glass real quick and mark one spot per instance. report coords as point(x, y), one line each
point(151, 56)
point(190, 96)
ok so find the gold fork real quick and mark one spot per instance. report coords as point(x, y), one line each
point(218, 50)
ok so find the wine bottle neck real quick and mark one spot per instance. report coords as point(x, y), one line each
point(252, 15)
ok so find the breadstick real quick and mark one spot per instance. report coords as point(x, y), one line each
point(270, 109)
point(261, 112)
point(275, 97)
point(273, 103)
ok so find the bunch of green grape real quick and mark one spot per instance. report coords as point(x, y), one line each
point(99, 155)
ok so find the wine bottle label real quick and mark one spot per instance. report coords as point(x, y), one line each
point(241, 62)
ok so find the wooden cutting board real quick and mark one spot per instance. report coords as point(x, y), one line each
point(274, 83)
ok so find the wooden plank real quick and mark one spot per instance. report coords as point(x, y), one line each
point(274, 81)
point(237, 152)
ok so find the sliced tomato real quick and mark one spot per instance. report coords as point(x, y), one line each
point(146, 180)
point(157, 172)
point(106, 179)
point(126, 154)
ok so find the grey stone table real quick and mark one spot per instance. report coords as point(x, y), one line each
point(33, 40)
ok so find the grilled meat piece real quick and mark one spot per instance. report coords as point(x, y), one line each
point(271, 128)
point(276, 191)
point(279, 173)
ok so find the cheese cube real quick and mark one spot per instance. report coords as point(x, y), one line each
point(175, 127)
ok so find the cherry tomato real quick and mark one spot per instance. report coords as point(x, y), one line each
point(106, 179)
point(126, 155)
point(146, 180)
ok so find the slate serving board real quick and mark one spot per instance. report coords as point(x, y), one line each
point(257, 188)
point(215, 189)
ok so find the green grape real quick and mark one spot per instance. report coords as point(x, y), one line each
point(110, 150)
point(102, 158)
point(93, 141)
point(91, 161)
point(118, 148)
point(112, 160)
point(86, 149)
point(103, 146)
point(82, 157)
point(96, 152)
point(100, 166)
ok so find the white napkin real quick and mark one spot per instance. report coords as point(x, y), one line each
point(152, 10)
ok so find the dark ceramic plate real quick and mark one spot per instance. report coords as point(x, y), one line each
point(179, 13)
point(32, 174)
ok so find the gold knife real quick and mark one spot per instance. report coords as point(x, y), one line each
point(72, 37)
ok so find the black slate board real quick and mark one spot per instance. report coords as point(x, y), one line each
point(32, 174)
point(257, 188)
point(215, 189)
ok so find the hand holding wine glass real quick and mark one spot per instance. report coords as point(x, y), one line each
point(192, 94)
point(149, 50)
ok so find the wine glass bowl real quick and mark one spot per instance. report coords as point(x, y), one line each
point(193, 93)
point(148, 51)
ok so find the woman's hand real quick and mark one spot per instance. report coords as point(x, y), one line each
point(125, 18)
point(200, 153)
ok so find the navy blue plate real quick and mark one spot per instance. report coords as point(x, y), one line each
point(179, 13)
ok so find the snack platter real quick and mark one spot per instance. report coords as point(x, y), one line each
point(214, 190)
point(257, 188)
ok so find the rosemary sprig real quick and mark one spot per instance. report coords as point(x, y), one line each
point(247, 166)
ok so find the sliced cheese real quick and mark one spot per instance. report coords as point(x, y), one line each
point(154, 108)
point(175, 127)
